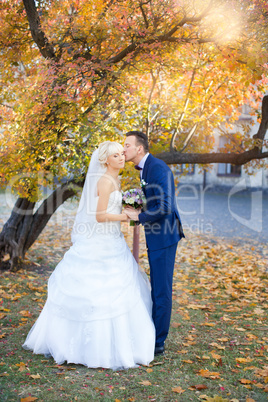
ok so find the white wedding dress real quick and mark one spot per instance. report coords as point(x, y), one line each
point(98, 309)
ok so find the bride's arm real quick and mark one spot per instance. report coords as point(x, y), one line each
point(104, 190)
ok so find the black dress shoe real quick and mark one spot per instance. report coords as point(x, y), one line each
point(159, 350)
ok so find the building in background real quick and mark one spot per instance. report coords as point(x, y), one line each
point(223, 176)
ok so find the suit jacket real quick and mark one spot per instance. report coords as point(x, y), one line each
point(161, 219)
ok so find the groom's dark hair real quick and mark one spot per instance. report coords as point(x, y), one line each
point(141, 139)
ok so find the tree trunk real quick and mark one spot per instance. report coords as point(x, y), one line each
point(24, 225)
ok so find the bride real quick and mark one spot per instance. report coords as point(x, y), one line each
point(98, 308)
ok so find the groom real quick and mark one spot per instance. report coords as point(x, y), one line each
point(162, 228)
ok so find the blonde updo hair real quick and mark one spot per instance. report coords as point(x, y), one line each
point(106, 149)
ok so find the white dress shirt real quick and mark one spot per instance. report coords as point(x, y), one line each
point(142, 163)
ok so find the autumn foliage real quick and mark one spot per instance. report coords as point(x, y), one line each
point(74, 73)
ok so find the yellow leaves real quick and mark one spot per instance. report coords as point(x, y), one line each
point(178, 390)
point(35, 376)
point(2, 315)
point(28, 399)
point(243, 360)
point(245, 381)
point(188, 361)
point(213, 399)
point(21, 365)
point(223, 339)
point(145, 382)
point(215, 356)
point(262, 372)
point(208, 374)
point(216, 345)
point(25, 313)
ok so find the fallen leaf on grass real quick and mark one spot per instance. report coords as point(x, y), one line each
point(245, 381)
point(149, 370)
point(175, 325)
point(262, 372)
point(188, 361)
point(145, 382)
point(214, 399)
point(259, 385)
point(178, 390)
point(28, 399)
point(2, 315)
point(198, 387)
point(216, 345)
point(243, 360)
point(25, 313)
point(209, 374)
point(258, 311)
point(215, 356)
point(35, 376)
point(21, 365)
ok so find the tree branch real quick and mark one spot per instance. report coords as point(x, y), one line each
point(214, 157)
point(46, 49)
point(161, 38)
point(172, 142)
point(144, 15)
point(264, 121)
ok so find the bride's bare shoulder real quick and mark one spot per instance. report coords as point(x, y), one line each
point(105, 185)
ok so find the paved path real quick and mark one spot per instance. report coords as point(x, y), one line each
point(240, 215)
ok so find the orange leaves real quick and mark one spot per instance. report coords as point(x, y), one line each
point(28, 399)
point(208, 374)
point(178, 390)
point(243, 360)
point(25, 313)
point(22, 366)
point(198, 387)
point(216, 345)
point(145, 382)
point(35, 376)
point(245, 381)
point(216, 356)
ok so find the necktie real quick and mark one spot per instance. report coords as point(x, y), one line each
point(137, 167)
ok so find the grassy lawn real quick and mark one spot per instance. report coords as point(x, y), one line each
point(216, 349)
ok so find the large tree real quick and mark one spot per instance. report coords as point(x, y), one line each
point(73, 73)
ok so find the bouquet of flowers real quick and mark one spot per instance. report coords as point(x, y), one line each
point(133, 198)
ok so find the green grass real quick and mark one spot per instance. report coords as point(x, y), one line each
point(219, 315)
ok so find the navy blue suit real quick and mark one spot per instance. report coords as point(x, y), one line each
point(163, 230)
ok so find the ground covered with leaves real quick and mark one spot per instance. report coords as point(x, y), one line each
point(217, 346)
